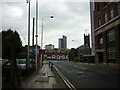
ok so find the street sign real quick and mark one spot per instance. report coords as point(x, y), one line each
point(41, 51)
point(33, 51)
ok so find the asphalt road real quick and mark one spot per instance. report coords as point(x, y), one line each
point(89, 76)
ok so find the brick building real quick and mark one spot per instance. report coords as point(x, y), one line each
point(107, 32)
point(87, 49)
point(23, 53)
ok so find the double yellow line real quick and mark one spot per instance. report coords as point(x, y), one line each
point(66, 81)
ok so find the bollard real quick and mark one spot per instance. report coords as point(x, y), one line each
point(51, 66)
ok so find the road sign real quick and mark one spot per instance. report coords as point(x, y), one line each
point(41, 51)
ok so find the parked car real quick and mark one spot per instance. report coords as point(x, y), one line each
point(21, 63)
point(32, 61)
point(6, 68)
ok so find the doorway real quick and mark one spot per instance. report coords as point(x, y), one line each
point(100, 57)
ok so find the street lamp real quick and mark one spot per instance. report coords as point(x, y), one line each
point(36, 30)
point(78, 43)
point(28, 55)
point(42, 36)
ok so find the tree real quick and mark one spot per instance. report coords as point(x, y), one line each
point(73, 54)
point(10, 39)
point(11, 46)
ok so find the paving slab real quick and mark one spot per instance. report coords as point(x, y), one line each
point(44, 78)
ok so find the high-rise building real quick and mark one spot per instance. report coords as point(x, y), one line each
point(60, 43)
point(63, 43)
point(107, 32)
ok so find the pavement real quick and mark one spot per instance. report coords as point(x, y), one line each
point(44, 79)
point(104, 65)
point(47, 79)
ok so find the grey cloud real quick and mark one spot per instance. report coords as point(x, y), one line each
point(70, 19)
point(80, 8)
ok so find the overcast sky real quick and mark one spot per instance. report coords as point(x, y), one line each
point(70, 19)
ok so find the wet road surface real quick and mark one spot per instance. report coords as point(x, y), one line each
point(89, 76)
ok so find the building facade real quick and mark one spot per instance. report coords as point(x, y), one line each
point(23, 53)
point(63, 43)
point(57, 54)
point(87, 50)
point(49, 47)
point(107, 32)
point(60, 43)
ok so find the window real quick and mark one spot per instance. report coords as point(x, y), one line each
point(118, 9)
point(86, 44)
point(112, 13)
point(101, 41)
point(98, 7)
point(104, 4)
point(100, 45)
point(99, 22)
point(111, 53)
point(111, 45)
point(105, 17)
point(111, 35)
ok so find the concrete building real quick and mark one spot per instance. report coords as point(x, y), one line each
point(107, 32)
point(60, 43)
point(49, 47)
point(63, 43)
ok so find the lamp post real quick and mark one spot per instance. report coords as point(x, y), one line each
point(28, 55)
point(36, 31)
point(76, 41)
point(42, 36)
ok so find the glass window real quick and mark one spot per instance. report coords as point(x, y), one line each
point(118, 9)
point(111, 35)
point(112, 13)
point(101, 40)
point(98, 7)
point(105, 17)
point(111, 53)
point(99, 22)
